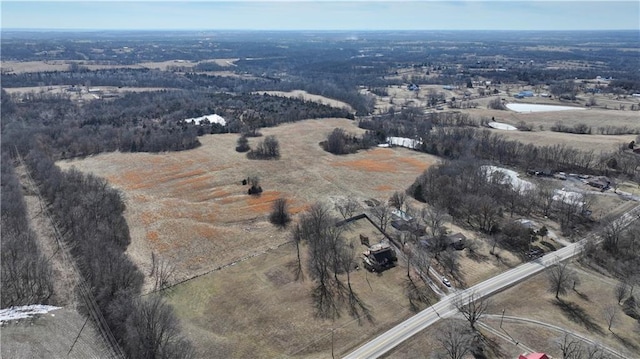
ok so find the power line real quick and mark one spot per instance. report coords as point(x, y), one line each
point(85, 292)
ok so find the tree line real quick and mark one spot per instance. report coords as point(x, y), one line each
point(89, 214)
point(26, 272)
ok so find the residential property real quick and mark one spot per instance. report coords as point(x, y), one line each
point(379, 257)
point(599, 182)
point(456, 241)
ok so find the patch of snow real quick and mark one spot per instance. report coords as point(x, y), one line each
point(501, 126)
point(568, 197)
point(528, 107)
point(214, 118)
point(27, 311)
point(401, 214)
point(511, 177)
point(404, 142)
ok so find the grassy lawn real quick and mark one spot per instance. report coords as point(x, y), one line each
point(580, 311)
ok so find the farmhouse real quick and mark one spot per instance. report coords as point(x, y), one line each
point(379, 257)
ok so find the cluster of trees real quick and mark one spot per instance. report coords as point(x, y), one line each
point(330, 255)
point(90, 216)
point(617, 130)
point(579, 128)
point(267, 149)
point(26, 272)
point(496, 104)
point(339, 142)
point(481, 200)
point(280, 213)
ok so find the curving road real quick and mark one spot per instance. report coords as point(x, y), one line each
point(403, 331)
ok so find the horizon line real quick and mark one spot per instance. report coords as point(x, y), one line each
point(306, 30)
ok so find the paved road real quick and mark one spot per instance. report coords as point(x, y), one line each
point(443, 308)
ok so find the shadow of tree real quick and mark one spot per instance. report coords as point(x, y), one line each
point(296, 269)
point(582, 296)
point(329, 300)
point(324, 302)
point(576, 314)
point(357, 307)
point(486, 347)
point(416, 294)
point(626, 342)
point(477, 256)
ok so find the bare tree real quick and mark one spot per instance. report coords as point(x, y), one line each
point(560, 278)
point(153, 331)
point(161, 272)
point(449, 260)
point(612, 234)
point(324, 239)
point(434, 218)
point(594, 351)
point(544, 196)
point(242, 145)
point(296, 235)
point(621, 291)
point(382, 214)
point(280, 213)
point(569, 346)
point(610, 314)
point(398, 200)
point(347, 208)
point(471, 305)
point(456, 340)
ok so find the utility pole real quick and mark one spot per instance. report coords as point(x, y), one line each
point(332, 355)
point(502, 318)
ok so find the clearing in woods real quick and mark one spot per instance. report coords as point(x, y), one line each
point(191, 208)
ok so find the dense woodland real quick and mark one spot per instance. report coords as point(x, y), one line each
point(43, 128)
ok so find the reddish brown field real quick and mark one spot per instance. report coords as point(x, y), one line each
point(191, 208)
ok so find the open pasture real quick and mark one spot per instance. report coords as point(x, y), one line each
point(191, 208)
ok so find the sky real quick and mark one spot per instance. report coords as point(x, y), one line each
point(322, 15)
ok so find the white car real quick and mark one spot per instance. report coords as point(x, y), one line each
point(446, 282)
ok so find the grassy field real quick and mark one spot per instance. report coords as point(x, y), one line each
point(541, 122)
point(309, 97)
point(257, 309)
point(18, 67)
point(580, 312)
point(191, 208)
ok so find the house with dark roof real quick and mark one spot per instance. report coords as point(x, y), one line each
point(379, 257)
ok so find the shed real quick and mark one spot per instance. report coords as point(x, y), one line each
point(534, 356)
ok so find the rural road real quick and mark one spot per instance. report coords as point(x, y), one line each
point(403, 331)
